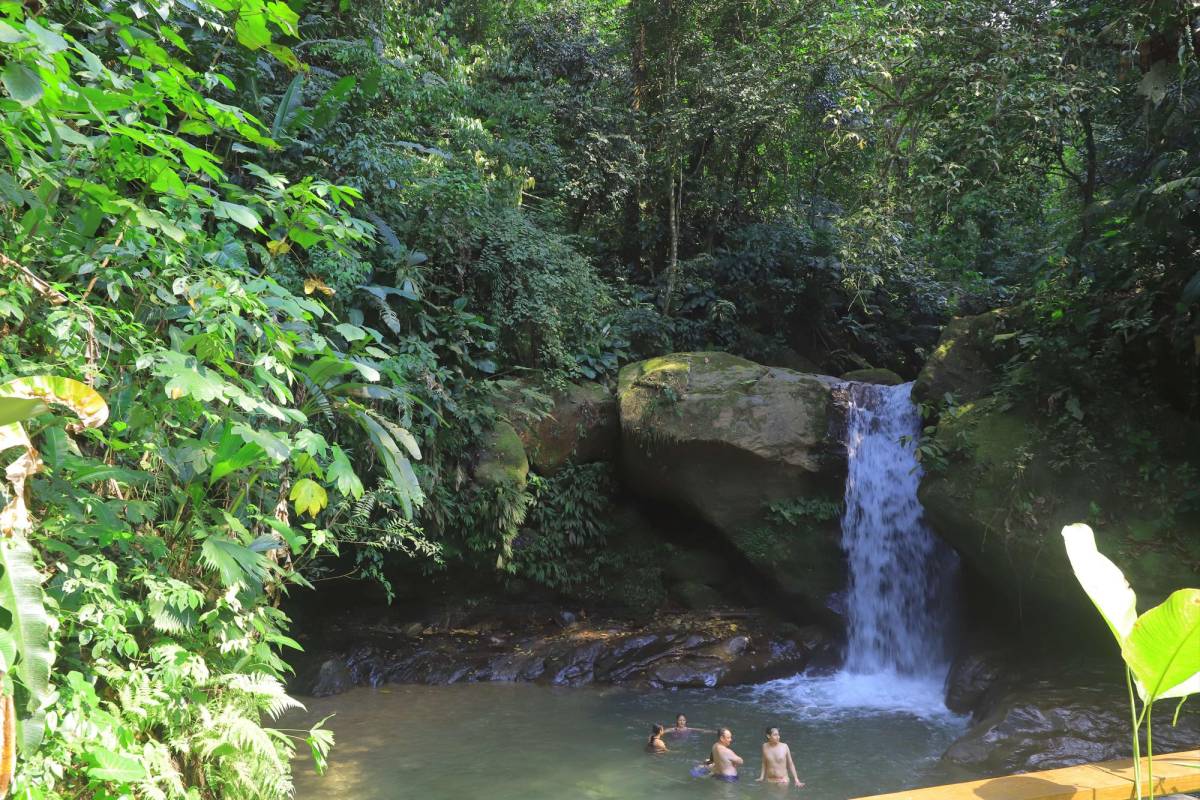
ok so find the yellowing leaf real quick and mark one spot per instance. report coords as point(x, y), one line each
point(308, 496)
point(317, 285)
point(277, 246)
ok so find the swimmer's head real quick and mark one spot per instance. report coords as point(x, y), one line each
point(656, 730)
point(772, 734)
point(724, 736)
point(680, 721)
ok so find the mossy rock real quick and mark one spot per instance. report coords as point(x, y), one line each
point(502, 459)
point(721, 438)
point(1005, 497)
point(883, 377)
point(581, 428)
point(965, 361)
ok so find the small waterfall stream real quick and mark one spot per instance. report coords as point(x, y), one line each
point(901, 575)
point(901, 597)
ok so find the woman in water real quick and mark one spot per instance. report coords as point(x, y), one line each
point(655, 743)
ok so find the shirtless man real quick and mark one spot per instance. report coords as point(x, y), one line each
point(725, 761)
point(777, 761)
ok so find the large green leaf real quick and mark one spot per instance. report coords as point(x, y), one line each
point(1102, 580)
point(116, 767)
point(289, 104)
point(22, 84)
point(1163, 649)
point(29, 625)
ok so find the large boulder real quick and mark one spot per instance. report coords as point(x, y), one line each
point(965, 362)
point(753, 452)
point(580, 428)
point(1045, 726)
point(1016, 471)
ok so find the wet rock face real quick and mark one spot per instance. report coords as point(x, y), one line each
point(976, 675)
point(679, 650)
point(1044, 726)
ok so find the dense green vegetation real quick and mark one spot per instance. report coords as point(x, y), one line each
point(309, 252)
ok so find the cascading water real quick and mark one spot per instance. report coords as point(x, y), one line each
point(902, 578)
point(901, 575)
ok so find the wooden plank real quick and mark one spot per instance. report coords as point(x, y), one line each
point(1111, 780)
point(1173, 773)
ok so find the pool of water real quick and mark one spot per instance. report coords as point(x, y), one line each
point(849, 737)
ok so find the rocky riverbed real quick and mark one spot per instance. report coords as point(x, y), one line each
point(559, 648)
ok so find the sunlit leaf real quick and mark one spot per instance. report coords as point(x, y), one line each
point(308, 497)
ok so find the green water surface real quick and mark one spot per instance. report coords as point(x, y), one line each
point(527, 742)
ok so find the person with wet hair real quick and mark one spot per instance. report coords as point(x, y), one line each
point(725, 761)
point(655, 743)
point(681, 727)
point(777, 761)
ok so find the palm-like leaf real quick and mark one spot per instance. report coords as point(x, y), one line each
point(21, 596)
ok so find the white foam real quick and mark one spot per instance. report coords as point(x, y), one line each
point(848, 694)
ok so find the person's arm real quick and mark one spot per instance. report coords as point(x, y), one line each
point(792, 768)
point(735, 759)
point(762, 772)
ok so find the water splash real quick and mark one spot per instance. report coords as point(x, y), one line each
point(901, 575)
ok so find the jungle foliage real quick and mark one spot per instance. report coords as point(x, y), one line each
point(307, 253)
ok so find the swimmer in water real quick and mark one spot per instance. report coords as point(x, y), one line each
point(725, 761)
point(655, 743)
point(777, 761)
point(681, 727)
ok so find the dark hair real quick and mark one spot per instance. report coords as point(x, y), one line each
point(655, 730)
point(677, 716)
point(722, 731)
point(771, 728)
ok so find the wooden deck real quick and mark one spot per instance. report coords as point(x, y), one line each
point(1109, 780)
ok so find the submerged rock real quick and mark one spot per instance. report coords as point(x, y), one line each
point(668, 651)
point(755, 452)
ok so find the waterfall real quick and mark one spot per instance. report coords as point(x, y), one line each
point(901, 575)
point(901, 598)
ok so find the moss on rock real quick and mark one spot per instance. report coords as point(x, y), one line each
point(884, 377)
point(1006, 495)
point(502, 459)
point(964, 363)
